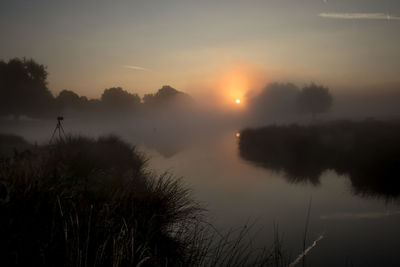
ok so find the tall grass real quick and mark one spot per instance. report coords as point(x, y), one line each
point(86, 202)
point(93, 202)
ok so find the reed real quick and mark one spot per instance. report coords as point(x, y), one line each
point(94, 202)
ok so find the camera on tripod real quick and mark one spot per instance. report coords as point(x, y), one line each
point(59, 128)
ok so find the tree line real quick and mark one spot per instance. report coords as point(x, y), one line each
point(24, 91)
point(285, 100)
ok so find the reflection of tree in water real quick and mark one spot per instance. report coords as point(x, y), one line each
point(368, 152)
point(163, 141)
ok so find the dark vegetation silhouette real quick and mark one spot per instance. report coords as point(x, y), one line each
point(11, 145)
point(87, 202)
point(368, 152)
point(118, 100)
point(24, 92)
point(276, 101)
point(93, 202)
point(167, 97)
point(68, 99)
point(283, 102)
point(314, 99)
point(23, 89)
point(166, 93)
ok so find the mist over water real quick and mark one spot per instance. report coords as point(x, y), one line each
point(262, 175)
point(200, 133)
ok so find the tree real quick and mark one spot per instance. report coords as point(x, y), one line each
point(118, 98)
point(167, 96)
point(23, 88)
point(275, 101)
point(70, 99)
point(314, 99)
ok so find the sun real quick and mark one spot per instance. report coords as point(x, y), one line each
point(237, 101)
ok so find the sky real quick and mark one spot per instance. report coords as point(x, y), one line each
point(88, 46)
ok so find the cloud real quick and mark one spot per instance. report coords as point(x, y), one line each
point(135, 68)
point(358, 16)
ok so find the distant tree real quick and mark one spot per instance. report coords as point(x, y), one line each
point(275, 101)
point(23, 88)
point(166, 95)
point(69, 99)
point(94, 103)
point(148, 98)
point(314, 99)
point(118, 98)
point(167, 92)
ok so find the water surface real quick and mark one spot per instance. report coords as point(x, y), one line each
point(358, 229)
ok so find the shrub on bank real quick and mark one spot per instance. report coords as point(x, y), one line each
point(92, 202)
point(87, 202)
point(367, 151)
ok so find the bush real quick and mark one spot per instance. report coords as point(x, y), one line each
point(10, 144)
point(87, 202)
point(367, 151)
point(92, 202)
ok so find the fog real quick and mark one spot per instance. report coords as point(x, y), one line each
point(199, 133)
point(168, 119)
point(300, 136)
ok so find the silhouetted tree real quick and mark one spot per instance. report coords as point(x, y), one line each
point(314, 99)
point(166, 95)
point(23, 88)
point(94, 104)
point(276, 100)
point(69, 99)
point(119, 99)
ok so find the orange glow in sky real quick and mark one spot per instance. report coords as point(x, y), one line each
point(235, 84)
point(228, 88)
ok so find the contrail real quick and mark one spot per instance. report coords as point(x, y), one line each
point(135, 68)
point(376, 16)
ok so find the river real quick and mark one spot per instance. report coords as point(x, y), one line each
point(356, 229)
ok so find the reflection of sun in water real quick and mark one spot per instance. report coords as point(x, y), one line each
point(237, 101)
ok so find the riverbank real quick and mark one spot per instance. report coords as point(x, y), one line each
point(94, 202)
point(368, 152)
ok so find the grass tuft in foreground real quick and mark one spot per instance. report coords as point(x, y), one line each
point(92, 202)
point(87, 202)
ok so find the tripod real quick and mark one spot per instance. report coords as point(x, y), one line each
point(58, 128)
